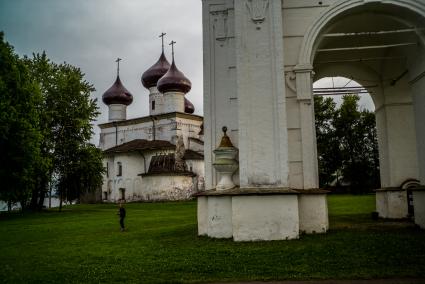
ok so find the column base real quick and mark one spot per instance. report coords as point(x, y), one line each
point(391, 203)
point(258, 214)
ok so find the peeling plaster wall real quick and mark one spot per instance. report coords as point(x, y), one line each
point(165, 187)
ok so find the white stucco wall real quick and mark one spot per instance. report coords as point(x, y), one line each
point(392, 204)
point(202, 215)
point(167, 127)
point(138, 188)
point(313, 213)
point(220, 217)
point(265, 217)
point(166, 187)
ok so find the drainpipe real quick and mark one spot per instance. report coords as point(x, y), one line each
point(153, 127)
point(144, 160)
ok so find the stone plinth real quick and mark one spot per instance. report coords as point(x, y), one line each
point(419, 206)
point(252, 214)
point(391, 203)
point(313, 212)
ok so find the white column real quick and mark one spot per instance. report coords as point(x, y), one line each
point(308, 131)
point(263, 143)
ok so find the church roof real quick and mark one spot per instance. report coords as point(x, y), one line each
point(141, 145)
point(188, 106)
point(192, 155)
point(117, 94)
point(147, 145)
point(174, 81)
point(132, 121)
point(151, 76)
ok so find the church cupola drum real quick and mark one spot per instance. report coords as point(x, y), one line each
point(117, 98)
point(174, 85)
point(150, 79)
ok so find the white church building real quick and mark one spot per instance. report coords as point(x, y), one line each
point(155, 157)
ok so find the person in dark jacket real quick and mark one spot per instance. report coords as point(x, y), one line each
point(122, 216)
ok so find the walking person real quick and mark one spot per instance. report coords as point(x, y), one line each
point(122, 216)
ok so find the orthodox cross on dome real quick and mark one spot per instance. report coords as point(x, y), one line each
point(172, 43)
point(162, 39)
point(118, 65)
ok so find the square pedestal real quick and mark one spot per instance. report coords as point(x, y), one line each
point(261, 214)
point(391, 203)
point(269, 217)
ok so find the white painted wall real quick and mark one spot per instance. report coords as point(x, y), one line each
point(273, 217)
point(392, 204)
point(166, 187)
point(220, 217)
point(313, 213)
point(165, 129)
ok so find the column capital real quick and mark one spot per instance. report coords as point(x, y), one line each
point(303, 68)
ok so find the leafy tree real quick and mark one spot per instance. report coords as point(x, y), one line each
point(329, 157)
point(45, 125)
point(84, 175)
point(347, 144)
point(68, 113)
point(20, 135)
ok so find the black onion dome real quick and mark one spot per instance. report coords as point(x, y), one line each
point(117, 94)
point(174, 81)
point(151, 76)
point(188, 106)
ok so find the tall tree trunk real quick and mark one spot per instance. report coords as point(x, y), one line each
point(42, 192)
point(34, 197)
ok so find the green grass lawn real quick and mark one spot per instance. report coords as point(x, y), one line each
point(83, 244)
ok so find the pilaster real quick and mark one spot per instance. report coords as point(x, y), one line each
point(304, 81)
point(263, 142)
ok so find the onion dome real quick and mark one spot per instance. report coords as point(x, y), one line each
point(117, 94)
point(174, 81)
point(188, 106)
point(151, 76)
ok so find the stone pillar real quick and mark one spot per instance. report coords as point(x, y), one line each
point(263, 142)
point(117, 112)
point(156, 99)
point(304, 75)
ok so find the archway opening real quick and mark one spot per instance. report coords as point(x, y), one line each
point(376, 46)
point(381, 44)
point(347, 147)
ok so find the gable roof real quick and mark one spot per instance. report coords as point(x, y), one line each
point(141, 145)
point(192, 155)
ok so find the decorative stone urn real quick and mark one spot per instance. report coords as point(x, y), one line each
point(225, 162)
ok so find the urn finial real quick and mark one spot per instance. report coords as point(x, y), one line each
point(225, 162)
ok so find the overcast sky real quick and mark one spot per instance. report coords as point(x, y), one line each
point(91, 34)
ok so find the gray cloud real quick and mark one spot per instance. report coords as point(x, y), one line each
point(92, 34)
